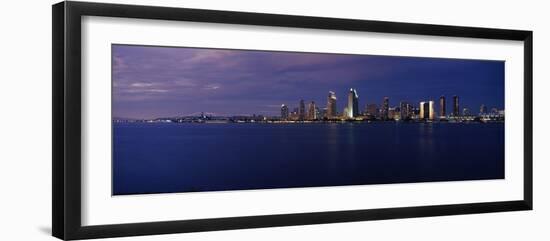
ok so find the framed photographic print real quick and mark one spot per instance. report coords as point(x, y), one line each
point(170, 120)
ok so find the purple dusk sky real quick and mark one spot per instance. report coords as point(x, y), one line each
point(151, 82)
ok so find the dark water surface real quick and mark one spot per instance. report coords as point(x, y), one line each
point(169, 157)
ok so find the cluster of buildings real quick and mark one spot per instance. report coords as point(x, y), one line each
point(424, 111)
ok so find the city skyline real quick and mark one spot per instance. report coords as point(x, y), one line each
point(151, 82)
point(426, 110)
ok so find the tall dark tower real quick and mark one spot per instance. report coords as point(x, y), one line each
point(425, 110)
point(403, 110)
point(302, 110)
point(386, 108)
point(284, 112)
point(456, 107)
point(442, 106)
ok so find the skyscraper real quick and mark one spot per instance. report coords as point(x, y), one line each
point(424, 110)
point(284, 112)
point(311, 113)
point(421, 113)
point(318, 113)
point(302, 110)
point(431, 106)
point(442, 107)
point(331, 105)
point(353, 103)
point(322, 113)
point(385, 108)
point(456, 107)
point(404, 109)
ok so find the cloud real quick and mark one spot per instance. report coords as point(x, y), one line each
point(141, 85)
point(138, 91)
point(212, 87)
point(225, 74)
point(157, 90)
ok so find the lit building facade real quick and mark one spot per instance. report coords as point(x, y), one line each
point(294, 115)
point(353, 104)
point(431, 106)
point(421, 113)
point(311, 111)
point(404, 110)
point(331, 105)
point(424, 110)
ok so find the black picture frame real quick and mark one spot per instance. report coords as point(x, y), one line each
point(66, 128)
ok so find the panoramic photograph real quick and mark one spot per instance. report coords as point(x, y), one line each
point(201, 119)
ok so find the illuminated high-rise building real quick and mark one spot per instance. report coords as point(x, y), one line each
point(404, 110)
point(311, 112)
point(385, 108)
point(301, 110)
point(284, 112)
point(331, 105)
point(456, 106)
point(353, 104)
point(442, 107)
point(431, 106)
point(421, 113)
point(318, 113)
point(424, 110)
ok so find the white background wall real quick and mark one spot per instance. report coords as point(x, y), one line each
point(25, 119)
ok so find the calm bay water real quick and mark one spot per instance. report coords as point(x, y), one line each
point(169, 157)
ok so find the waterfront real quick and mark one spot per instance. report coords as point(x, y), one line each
point(184, 157)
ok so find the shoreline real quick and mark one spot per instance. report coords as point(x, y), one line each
point(305, 122)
